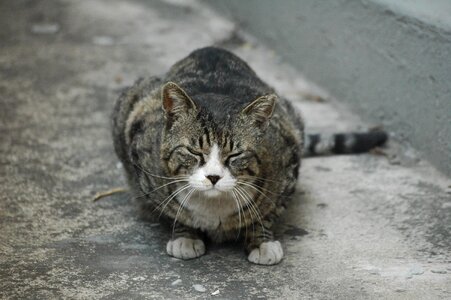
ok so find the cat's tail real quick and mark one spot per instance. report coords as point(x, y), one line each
point(343, 143)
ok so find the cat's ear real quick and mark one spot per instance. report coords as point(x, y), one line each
point(261, 110)
point(175, 100)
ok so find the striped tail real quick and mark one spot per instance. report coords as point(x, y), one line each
point(343, 143)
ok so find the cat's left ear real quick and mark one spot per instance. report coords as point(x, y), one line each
point(261, 110)
point(175, 100)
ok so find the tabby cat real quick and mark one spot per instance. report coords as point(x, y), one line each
point(213, 150)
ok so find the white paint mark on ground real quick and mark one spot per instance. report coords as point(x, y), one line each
point(103, 40)
point(200, 288)
point(215, 293)
point(45, 28)
point(176, 282)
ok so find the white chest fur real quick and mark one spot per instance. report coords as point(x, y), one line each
point(209, 212)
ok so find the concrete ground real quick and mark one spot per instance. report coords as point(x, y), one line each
point(364, 226)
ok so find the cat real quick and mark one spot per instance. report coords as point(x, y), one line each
point(216, 152)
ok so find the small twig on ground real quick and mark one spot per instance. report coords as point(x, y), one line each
point(379, 151)
point(101, 195)
point(312, 97)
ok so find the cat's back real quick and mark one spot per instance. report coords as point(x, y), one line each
point(210, 61)
point(214, 70)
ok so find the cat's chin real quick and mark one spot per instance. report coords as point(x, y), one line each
point(212, 193)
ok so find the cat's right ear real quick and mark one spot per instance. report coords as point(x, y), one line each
point(175, 101)
point(261, 110)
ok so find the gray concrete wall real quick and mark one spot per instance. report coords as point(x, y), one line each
point(390, 60)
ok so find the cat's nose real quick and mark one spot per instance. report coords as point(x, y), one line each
point(213, 178)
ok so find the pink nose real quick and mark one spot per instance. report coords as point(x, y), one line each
point(213, 178)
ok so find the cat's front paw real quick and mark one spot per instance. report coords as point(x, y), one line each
point(268, 253)
point(185, 248)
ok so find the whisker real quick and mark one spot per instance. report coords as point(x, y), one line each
point(159, 176)
point(251, 205)
point(260, 217)
point(266, 190)
point(187, 197)
point(160, 187)
point(247, 194)
point(256, 206)
point(172, 198)
point(255, 187)
point(260, 187)
point(242, 208)
point(239, 213)
point(168, 199)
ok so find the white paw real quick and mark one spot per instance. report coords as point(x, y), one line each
point(269, 253)
point(185, 248)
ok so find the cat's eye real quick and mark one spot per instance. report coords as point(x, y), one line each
point(186, 159)
point(232, 156)
point(239, 161)
point(189, 161)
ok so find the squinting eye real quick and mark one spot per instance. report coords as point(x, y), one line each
point(187, 160)
point(190, 161)
point(239, 163)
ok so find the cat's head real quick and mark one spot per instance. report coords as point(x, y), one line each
point(213, 141)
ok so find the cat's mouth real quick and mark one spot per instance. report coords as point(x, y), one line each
point(213, 192)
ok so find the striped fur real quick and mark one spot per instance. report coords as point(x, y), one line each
point(343, 143)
